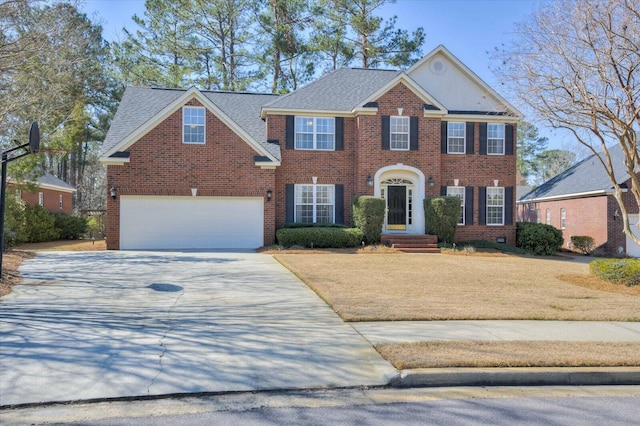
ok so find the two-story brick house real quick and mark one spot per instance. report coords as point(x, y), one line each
point(200, 169)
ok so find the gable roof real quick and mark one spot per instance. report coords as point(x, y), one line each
point(341, 90)
point(586, 178)
point(49, 181)
point(141, 108)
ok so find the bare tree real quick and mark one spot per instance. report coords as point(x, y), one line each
point(576, 65)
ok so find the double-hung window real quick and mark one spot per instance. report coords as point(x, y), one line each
point(458, 191)
point(548, 217)
point(455, 138)
point(41, 198)
point(193, 125)
point(315, 203)
point(399, 133)
point(563, 218)
point(317, 133)
point(60, 198)
point(495, 139)
point(495, 206)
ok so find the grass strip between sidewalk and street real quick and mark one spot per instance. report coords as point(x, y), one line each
point(486, 354)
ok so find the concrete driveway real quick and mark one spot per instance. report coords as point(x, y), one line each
point(88, 325)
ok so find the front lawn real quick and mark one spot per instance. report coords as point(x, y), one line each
point(391, 287)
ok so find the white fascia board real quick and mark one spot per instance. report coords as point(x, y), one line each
point(469, 73)
point(55, 187)
point(411, 84)
point(192, 93)
point(114, 161)
point(305, 112)
point(586, 194)
point(482, 118)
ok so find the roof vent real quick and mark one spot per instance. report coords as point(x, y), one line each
point(438, 66)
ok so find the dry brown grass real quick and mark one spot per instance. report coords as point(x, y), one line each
point(11, 261)
point(390, 287)
point(511, 354)
point(65, 245)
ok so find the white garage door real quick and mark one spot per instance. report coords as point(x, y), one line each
point(632, 248)
point(149, 222)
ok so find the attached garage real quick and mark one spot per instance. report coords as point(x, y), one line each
point(162, 222)
point(632, 248)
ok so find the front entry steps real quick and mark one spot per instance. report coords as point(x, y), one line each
point(411, 243)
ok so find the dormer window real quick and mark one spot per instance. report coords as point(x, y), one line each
point(193, 125)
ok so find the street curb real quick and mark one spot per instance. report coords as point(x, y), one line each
point(554, 376)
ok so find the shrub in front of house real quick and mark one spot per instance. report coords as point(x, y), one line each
point(14, 226)
point(584, 244)
point(441, 215)
point(70, 227)
point(368, 216)
point(618, 271)
point(539, 238)
point(312, 225)
point(39, 225)
point(319, 237)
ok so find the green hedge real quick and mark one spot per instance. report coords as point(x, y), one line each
point(539, 238)
point(583, 243)
point(441, 215)
point(619, 271)
point(318, 237)
point(70, 227)
point(312, 225)
point(368, 216)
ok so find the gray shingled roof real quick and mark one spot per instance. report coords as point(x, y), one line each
point(587, 176)
point(341, 90)
point(140, 104)
point(49, 179)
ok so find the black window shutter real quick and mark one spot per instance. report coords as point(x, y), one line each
point(290, 129)
point(339, 134)
point(413, 133)
point(386, 129)
point(339, 204)
point(290, 199)
point(482, 205)
point(508, 139)
point(483, 138)
point(443, 137)
point(443, 191)
point(508, 205)
point(468, 205)
point(469, 138)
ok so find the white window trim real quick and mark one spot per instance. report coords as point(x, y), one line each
point(462, 199)
point(464, 138)
point(547, 217)
point(391, 132)
point(487, 206)
point(563, 218)
point(314, 203)
point(61, 200)
point(204, 125)
point(41, 198)
point(315, 133)
point(503, 138)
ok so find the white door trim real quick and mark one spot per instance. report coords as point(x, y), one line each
point(401, 171)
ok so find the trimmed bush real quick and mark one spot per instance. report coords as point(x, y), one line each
point(441, 215)
point(618, 271)
point(583, 243)
point(312, 225)
point(70, 227)
point(317, 237)
point(14, 230)
point(40, 225)
point(368, 216)
point(539, 238)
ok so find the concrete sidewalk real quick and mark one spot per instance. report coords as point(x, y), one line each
point(590, 331)
point(576, 331)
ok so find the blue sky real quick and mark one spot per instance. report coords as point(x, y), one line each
point(470, 29)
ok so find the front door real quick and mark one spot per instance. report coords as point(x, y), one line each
point(397, 208)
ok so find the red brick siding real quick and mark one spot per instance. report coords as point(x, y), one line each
point(160, 164)
point(51, 200)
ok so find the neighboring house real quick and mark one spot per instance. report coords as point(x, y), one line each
point(51, 193)
point(580, 202)
point(202, 169)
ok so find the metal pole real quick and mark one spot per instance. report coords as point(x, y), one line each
point(3, 194)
